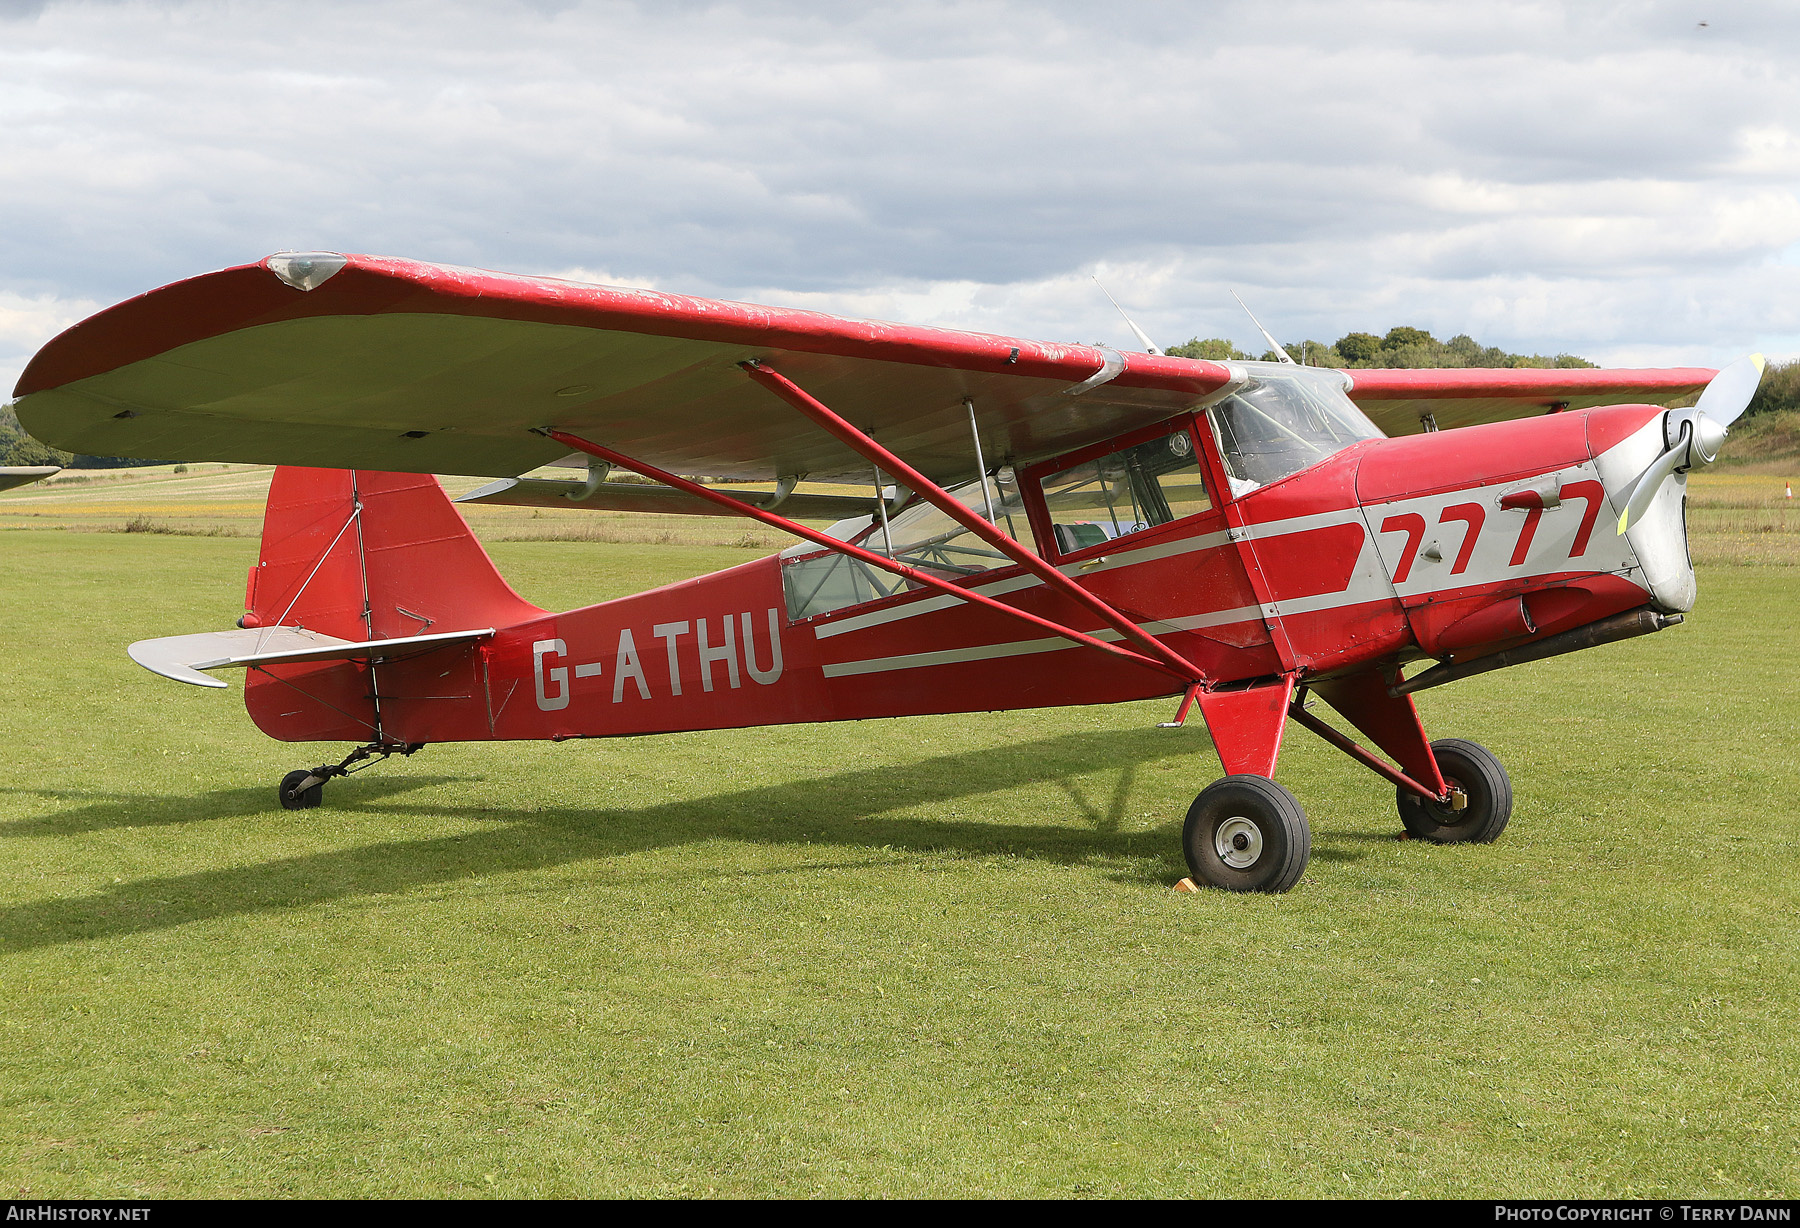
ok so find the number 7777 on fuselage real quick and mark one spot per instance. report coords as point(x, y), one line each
point(1043, 524)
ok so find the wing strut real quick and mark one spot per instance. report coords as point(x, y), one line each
point(952, 507)
point(1185, 672)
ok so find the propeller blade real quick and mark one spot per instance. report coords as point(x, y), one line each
point(1643, 491)
point(1729, 393)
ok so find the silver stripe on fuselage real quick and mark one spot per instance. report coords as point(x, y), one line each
point(1019, 648)
point(1013, 584)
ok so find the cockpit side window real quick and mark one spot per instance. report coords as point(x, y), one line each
point(1123, 492)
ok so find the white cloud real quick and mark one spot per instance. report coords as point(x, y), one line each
point(1611, 180)
point(26, 323)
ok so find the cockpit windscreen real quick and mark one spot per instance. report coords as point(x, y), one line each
point(1283, 420)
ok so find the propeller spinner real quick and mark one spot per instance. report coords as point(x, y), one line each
point(1694, 435)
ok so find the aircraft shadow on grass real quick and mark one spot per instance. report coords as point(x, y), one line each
point(123, 811)
point(847, 808)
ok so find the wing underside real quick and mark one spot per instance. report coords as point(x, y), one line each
point(632, 497)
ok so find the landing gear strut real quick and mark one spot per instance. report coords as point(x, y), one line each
point(304, 789)
point(1247, 833)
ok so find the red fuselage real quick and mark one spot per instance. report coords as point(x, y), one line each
point(1445, 545)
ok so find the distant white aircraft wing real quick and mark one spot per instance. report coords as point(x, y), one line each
point(22, 475)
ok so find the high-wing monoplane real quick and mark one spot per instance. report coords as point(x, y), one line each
point(1044, 524)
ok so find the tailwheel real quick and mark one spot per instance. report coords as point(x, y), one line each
point(303, 790)
point(293, 797)
point(1246, 833)
point(1486, 802)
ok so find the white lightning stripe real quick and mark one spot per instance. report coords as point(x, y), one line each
point(1145, 554)
point(1360, 592)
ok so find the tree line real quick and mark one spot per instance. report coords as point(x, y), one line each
point(1401, 346)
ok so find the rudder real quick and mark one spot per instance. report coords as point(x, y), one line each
point(361, 555)
point(409, 558)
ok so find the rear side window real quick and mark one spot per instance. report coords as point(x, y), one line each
point(820, 581)
point(1124, 492)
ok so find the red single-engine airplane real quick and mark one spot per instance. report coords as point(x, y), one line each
point(1047, 525)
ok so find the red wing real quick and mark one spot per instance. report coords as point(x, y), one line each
point(395, 365)
point(1396, 400)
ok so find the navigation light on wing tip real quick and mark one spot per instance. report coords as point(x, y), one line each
point(305, 270)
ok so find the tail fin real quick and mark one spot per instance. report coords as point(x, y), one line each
point(362, 555)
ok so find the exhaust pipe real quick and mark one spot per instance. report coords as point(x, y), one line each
point(1626, 626)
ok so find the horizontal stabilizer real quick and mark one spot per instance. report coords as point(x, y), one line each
point(633, 497)
point(181, 656)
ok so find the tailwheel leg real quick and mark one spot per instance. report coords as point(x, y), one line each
point(1247, 833)
point(302, 790)
point(1477, 806)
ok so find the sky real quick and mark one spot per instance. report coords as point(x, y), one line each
point(1619, 181)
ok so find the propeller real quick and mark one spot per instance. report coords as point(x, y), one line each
point(1697, 432)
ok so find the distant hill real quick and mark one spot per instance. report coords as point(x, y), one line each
point(1767, 438)
point(1779, 391)
point(1768, 442)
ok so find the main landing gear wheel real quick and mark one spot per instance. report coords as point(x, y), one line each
point(1473, 769)
point(306, 799)
point(1246, 833)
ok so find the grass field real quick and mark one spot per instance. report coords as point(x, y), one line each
point(931, 956)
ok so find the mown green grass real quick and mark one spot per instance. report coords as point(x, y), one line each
point(927, 956)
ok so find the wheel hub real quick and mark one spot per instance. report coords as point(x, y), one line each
point(1454, 808)
point(1238, 842)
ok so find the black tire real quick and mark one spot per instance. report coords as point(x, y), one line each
point(1473, 769)
point(1246, 833)
point(302, 801)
